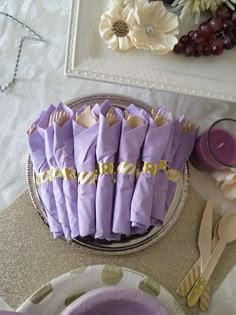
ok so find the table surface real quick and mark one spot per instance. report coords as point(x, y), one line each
point(41, 81)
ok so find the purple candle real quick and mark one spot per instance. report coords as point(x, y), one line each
point(216, 148)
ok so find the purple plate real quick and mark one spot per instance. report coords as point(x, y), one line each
point(116, 301)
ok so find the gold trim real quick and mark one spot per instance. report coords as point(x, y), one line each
point(69, 173)
point(137, 172)
point(126, 168)
point(66, 173)
point(106, 168)
point(196, 291)
point(43, 177)
point(163, 166)
point(150, 168)
point(173, 175)
point(87, 177)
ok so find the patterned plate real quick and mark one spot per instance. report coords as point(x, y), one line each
point(55, 296)
point(133, 243)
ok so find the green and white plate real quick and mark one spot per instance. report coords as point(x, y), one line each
point(55, 296)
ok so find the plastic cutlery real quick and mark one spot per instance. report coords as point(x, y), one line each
point(227, 234)
point(194, 273)
point(204, 238)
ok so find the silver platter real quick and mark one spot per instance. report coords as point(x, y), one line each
point(136, 242)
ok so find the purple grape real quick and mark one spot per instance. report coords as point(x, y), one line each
point(228, 25)
point(189, 50)
point(179, 48)
point(233, 17)
point(205, 27)
point(228, 42)
point(200, 37)
point(198, 51)
point(223, 13)
point(231, 35)
point(191, 33)
point(185, 39)
point(206, 50)
point(217, 47)
point(219, 35)
point(216, 24)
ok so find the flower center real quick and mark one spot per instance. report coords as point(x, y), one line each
point(120, 29)
point(150, 29)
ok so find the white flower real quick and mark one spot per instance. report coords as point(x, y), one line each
point(157, 27)
point(121, 3)
point(193, 8)
point(115, 27)
point(226, 180)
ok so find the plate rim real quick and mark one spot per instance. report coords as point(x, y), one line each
point(131, 248)
point(107, 78)
point(60, 279)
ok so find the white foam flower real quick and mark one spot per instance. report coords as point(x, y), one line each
point(116, 26)
point(226, 180)
point(193, 8)
point(121, 3)
point(157, 27)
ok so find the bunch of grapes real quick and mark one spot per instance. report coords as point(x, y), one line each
point(212, 36)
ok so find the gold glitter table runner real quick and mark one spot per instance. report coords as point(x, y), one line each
point(29, 257)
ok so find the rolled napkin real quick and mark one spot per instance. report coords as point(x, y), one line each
point(63, 148)
point(161, 183)
point(45, 127)
point(134, 127)
point(41, 168)
point(188, 137)
point(106, 151)
point(85, 131)
point(157, 137)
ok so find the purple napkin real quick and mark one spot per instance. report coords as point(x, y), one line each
point(107, 148)
point(48, 134)
point(161, 182)
point(85, 141)
point(64, 156)
point(37, 152)
point(129, 151)
point(154, 147)
point(181, 156)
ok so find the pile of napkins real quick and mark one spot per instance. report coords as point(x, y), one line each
point(104, 172)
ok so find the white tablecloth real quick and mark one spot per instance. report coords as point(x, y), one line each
point(41, 81)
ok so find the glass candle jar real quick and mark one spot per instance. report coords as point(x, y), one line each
point(216, 148)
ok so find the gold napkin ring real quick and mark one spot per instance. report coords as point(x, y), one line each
point(150, 168)
point(87, 177)
point(67, 173)
point(163, 165)
point(106, 168)
point(43, 177)
point(126, 168)
point(173, 175)
point(137, 172)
